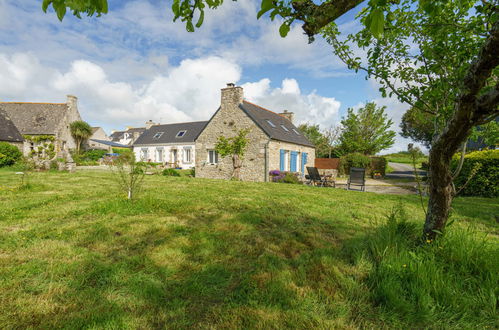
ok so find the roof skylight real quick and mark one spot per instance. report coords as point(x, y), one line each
point(271, 123)
point(157, 135)
point(285, 128)
point(181, 133)
point(297, 133)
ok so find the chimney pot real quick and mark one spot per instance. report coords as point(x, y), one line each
point(230, 85)
point(288, 115)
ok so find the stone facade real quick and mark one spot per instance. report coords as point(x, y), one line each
point(275, 148)
point(262, 153)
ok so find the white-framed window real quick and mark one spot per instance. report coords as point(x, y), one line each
point(159, 155)
point(212, 157)
point(297, 133)
point(157, 135)
point(181, 133)
point(143, 153)
point(285, 128)
point(187, 155)
point(286, 160)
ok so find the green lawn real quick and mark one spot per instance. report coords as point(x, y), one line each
point(404, 158)
point(193, 253)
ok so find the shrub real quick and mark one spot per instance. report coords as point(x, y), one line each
point(284, 177)
point(9, 154)
point(171, 172)
point(355, 159)
point(192, 172)
point(378, 164)
point(485, 181)
point(94, 154)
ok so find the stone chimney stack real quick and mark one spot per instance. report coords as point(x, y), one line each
point(149, 123)
point(232, 95)
point(72, 102)
point(288, 115)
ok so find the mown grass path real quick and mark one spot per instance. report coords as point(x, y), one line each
point(196, 253)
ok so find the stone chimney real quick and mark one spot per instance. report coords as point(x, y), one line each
point(72, 102)
point(288, 115)
point(232, 96)
point(149, 123)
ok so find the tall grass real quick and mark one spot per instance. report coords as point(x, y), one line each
point(455, 279)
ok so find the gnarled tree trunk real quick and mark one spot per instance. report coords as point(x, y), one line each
point(472, 109)
point(237, 164)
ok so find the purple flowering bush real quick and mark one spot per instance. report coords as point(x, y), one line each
point(284, 177)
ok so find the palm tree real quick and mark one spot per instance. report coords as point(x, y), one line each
point(80, 131)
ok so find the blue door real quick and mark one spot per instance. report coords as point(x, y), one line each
point(303, 161)
point(282, 159)
point(294, 161)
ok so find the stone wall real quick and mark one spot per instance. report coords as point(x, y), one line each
point(64, 140)
point(227, 121)
point(274, 155)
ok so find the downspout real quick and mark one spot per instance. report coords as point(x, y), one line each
point(267, 161)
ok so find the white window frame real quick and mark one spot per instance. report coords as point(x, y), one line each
point(187, 152)
point(144, 153)
point(270, 123)
point(215, 156)
point(158, 135)
point(287, 161)
point(179, 136)
point(159, 151)
point(285, 128)
point(294, 130)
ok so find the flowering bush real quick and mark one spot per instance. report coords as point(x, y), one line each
point(284, 177)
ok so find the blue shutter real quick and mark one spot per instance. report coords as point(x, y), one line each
point(281, 163)
point(303, 161)
point(294, 156)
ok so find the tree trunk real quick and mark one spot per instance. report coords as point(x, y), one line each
point(471, 109)
point(236, 163)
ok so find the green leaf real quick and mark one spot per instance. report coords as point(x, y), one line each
point(266, 6)
point(284, 29)
point(104, 6)
point(45, 5)
point(189, 26)
point(377, 22)
point(200, 20)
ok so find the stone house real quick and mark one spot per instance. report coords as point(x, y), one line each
point(275, 143)
point(98, 140)
point(9, 132)
point(171, 144)
point(44, 126)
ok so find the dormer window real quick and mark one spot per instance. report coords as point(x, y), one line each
point(181, 133)
point(271, 123)
point(157, 135)
point(285, 128)
point(297, 133)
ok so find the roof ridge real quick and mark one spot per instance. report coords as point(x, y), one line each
point(33, 103)
point(256, 105)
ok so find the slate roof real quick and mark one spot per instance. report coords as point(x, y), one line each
point(8, 131)
point(170, 131)
point(261, 116)
point(110, 143)
point(35, 118)
point(118, 135)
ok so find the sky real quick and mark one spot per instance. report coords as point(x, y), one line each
point(135, 64)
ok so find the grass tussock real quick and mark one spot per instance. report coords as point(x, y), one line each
point(191, 253)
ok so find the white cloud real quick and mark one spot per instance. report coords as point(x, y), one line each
point(189, 91)
point(311, 108)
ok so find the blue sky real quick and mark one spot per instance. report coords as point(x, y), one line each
point(136, 64)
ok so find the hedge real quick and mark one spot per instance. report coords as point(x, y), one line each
point(371, 164)
point(485, 182)
point(9, 154)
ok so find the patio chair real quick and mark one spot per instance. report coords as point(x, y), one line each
point(314, 177)
point(357, 178)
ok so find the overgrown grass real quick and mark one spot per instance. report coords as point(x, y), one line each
point(222, 254)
